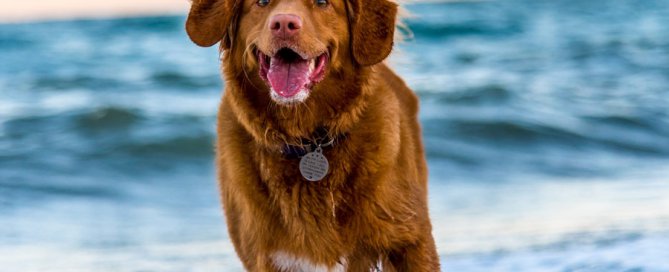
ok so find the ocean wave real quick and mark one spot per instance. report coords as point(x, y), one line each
point(9, 41)
point(196, 146)
point(179, 80)
point(152, 24)
point(56, 189)
point(81, 81)
point(107, 118)
point(100, 81)
point(487, 94)
point(521, 135)
point(102, 138)
point(649, 124)
point(426, 30)
point(462, 19)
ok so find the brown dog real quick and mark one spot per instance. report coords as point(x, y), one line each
point(305, 84)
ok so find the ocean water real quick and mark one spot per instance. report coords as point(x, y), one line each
point(546, 126)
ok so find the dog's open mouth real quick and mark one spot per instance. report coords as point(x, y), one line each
point(289, 74)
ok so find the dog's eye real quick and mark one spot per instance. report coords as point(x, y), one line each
point(321, 2)
point(263, 3)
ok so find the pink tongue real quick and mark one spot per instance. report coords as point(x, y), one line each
point(288, 78)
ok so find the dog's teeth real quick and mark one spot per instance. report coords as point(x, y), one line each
point(312, 65)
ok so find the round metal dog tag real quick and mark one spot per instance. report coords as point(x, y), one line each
point(314, 166)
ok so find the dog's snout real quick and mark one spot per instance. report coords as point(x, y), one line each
point(285, 25)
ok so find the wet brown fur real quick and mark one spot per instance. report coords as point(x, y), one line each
point(372, 206)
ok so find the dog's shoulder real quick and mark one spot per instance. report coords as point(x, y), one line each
point(406, 97)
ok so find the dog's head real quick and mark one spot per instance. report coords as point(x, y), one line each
point(291, 49)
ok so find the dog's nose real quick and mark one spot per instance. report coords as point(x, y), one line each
point(285, 25)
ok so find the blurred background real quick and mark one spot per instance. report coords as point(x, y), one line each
point(546, 125)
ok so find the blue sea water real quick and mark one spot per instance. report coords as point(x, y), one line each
point(546, 126)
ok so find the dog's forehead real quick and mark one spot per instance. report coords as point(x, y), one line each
point(335, 13)
point(337, 4)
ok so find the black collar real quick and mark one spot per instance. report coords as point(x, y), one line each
point(320, 137)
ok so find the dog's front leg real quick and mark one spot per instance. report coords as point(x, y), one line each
point(418, 257)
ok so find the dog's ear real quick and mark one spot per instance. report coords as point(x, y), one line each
point(372, 30)
point(211, 21)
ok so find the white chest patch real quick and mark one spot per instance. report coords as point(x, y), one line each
point(286, 262)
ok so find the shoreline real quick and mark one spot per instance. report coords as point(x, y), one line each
point(30, 11)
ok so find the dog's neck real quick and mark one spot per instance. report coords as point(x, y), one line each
point(320, 138)
point(337, 110)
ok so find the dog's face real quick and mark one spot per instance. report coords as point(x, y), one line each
point(294, 43)
point(290, 47)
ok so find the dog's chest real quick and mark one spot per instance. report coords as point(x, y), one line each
point(288, 262)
